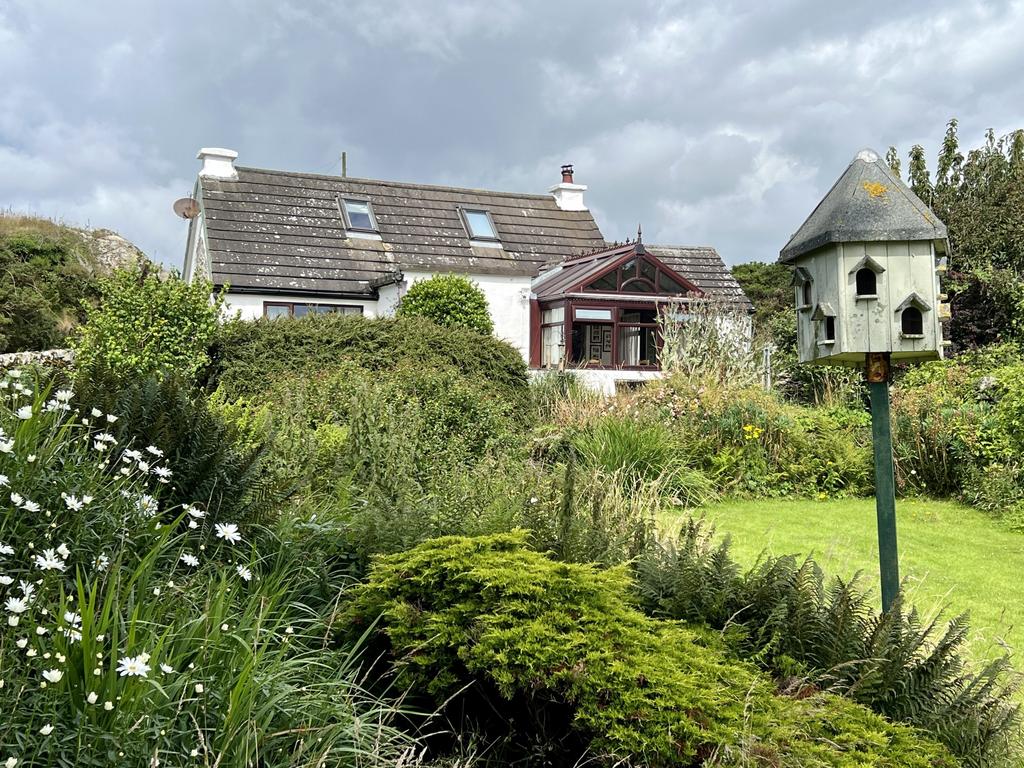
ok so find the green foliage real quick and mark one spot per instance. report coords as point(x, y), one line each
point(48, 273)
point(249, 358)
point(980, 198)
point(451, 301)
point(640, 454)
point(229, 665)
point(784, 614)
point(957, 428)
point(148, 325)
point(548, 661)
point(751, 444)
point(222, 465)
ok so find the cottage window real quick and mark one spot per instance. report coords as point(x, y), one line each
point(912, 322)
point(358, 215)
point(867, 283)
point(276, 309)
point(638, 337)
point(479, 225)
point(552, 337)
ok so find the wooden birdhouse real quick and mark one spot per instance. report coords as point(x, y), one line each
point(866, 269)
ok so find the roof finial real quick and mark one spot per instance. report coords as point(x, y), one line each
point(639, 234)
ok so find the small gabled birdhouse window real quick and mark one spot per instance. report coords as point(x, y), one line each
point(867, 284)
point(911, 311)
point(805, 286)
point(866, 272)
point(912, 322)
point(825, 317)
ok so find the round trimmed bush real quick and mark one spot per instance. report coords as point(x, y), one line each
point(449, 300)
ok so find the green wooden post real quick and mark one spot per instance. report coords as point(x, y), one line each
point(885, 485)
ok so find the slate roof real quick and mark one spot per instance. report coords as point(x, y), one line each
point(275, 231)
point(868, 203)
point(704, 267)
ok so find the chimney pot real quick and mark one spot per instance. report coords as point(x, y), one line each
point(568, 194)
point(218, 163)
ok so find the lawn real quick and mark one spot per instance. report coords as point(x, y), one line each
point(950, 555)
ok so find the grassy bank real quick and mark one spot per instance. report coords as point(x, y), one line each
point(949, 554)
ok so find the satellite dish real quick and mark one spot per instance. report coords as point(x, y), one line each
point(186, 207)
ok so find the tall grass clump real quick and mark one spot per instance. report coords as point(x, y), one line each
point(140, 632)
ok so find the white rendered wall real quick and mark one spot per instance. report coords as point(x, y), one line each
point(508, 301)
point(249, 306)
point(604, 381)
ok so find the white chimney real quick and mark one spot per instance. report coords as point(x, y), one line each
point(218, 163)
point(569, 196)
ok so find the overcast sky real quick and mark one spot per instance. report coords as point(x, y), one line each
point(709, 123)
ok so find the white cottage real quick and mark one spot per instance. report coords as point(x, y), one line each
point(287, 244)
point(866, 269)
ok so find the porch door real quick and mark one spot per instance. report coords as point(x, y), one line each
point(599, 343)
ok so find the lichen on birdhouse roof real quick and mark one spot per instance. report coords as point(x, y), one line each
point(868, 203)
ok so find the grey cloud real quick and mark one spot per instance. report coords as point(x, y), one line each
point(710, 123)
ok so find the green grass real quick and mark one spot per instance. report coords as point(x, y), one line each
point(950, 556)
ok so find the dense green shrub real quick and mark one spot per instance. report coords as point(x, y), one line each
point(784, 614)
point(148, 324)
point(222, 465)
point(549, 663)
point(957, 428)
point(248, 358)
point(750, 443)
point(48, 273)
point(451, 301)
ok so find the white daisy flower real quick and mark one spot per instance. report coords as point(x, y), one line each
point(228, 532)
point(30, 506)
point(167, 669)
point(63, 551)
point(72, 618)
point(25, 412)
point(154, 450)
point(6, 580)
point(147, 505)
point(63, 395)
point(92, 697)
point(163, 474)
point(135, 666)
point(6, 446)
point(4, 480)
point(16, 605)
point(189, 559)
point(96, 413)
point(6, 549)
point(52, 675)
point(131, 455)
point(46, 730)
point(111, 418)
point(72, 502)
point(17, 499)
point(195, 512)
point(244, 572)
point(108, 705)
point(48, 561)
point(102, 562)
point(27, 589)
point(144, 465)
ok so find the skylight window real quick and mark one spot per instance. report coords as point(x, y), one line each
point(479, 225)
point(358, 215)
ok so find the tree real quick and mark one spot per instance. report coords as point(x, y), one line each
point(449, 300)
point(892, 158)
point(148, 325)
point(980, 198)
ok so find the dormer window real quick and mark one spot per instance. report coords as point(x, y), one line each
point(358, 215)
point(479, 225)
